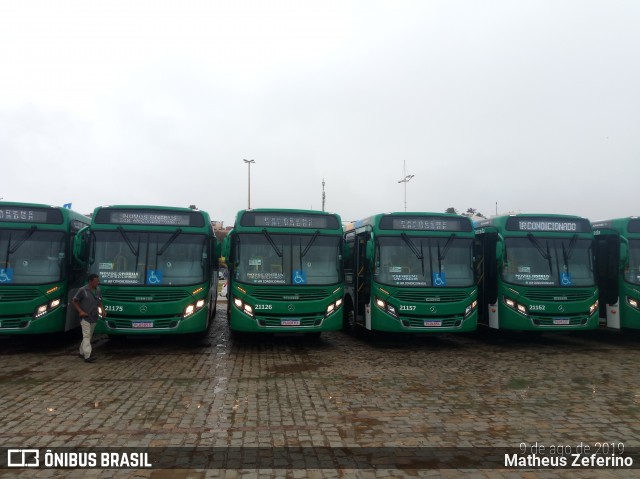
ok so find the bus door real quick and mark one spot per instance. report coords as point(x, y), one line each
point(487, 274)
point(362, 286)
point(607, 261)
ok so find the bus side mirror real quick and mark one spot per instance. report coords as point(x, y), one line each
point(226, 246)
point(499, 250)
point(217, 250)
point(624, 252)
point(346, 250)
point(80, 247)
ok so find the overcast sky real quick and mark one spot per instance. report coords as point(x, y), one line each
point(533, 105)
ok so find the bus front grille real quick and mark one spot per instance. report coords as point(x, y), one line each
point(13, 323)
point(562, 295)
point(439, 296)
point(290, 294)
point(146, 295)
point(22, 294)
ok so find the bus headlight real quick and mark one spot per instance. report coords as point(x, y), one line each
point(384, 306)
point(633, 303)
point(471, 308)
point(243, 306)
point(192, 308)
point(46, 307)
point(594, 307)
point(520, 308)
point(332, 307)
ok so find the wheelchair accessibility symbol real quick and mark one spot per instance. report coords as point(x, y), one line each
point(439, 279)
point(6, 275)
point(299, 276)
point(154, 276)
point(565, 279)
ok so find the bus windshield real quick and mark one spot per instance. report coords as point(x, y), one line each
point(149, 258)
point(31, 256)
point(444, 261)
point(632, 270)
point(287, 259)
point(540, 261)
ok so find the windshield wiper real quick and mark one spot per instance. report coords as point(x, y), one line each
point(306, 249)
point(446, 248)
point(24, 238)
point(567, 253)
point(545, 254)
point(419, 254)
point(161, 251)
point(271, 242)
point(127, 240)
point(413, 248)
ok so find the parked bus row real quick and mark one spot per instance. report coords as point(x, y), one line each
point(157, 266)
point(304, 271)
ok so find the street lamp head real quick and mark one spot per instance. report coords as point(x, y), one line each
point(406, 179)
point(249, 161)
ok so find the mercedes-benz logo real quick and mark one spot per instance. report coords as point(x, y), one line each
point(560, 308)
point(433, 309)
point(143, 308)
point(291, 308)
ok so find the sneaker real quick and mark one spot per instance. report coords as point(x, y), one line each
point(90, 359)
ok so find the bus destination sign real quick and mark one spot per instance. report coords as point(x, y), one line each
point(30, 215)
point(424, 223)
point(551, 225)
point(148, 218)
point(289, 220)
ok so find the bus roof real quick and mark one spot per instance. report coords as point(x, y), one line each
point(30, 213)
point(628, 224)
point(287, 219)
point(414, 221)
point(150, 215)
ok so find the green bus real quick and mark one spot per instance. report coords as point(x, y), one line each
point(285, 271)
point(536, 273)
point(37, 272)
point(157, 266)
point(618, 267)
point(411, 273)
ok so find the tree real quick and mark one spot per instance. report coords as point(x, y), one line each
point(473, 212)
point(470, 212)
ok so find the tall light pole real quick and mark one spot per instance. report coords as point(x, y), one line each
point(248, 162)
point(405, 180)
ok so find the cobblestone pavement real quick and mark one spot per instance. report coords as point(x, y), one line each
point(382, 392)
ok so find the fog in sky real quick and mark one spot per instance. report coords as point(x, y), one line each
point(528, 106)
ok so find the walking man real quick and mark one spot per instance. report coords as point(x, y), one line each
point(88, 303)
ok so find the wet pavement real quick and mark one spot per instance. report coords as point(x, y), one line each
point(381, 395)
